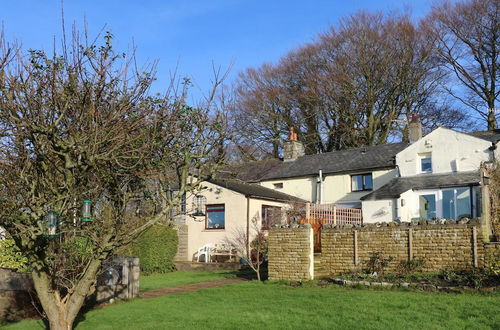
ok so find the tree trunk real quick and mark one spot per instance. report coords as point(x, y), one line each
point(62, 312)
point(492, 122)
point(61, 321)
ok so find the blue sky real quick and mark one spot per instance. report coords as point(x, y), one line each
point(193, 33)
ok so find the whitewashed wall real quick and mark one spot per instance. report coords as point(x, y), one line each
point(451, 152)
point(337, 188)
point(235, 205)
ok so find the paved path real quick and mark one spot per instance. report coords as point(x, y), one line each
point(190, 287)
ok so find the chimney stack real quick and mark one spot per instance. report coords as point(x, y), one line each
point(293, 148)
point(414, 128)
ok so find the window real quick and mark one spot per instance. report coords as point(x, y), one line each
point(457, 203)
point(425, 163)
point(215, 216)
point(270, 216)
point(361, 182)
point(278, 185)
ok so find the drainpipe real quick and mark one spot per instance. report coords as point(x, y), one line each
point(320, 190)
point(248, 227)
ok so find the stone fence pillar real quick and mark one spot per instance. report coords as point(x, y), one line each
point(291, 253)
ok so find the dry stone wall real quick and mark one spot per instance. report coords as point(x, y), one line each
point(291, 254)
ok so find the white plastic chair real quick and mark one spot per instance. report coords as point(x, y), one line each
point(204, 251)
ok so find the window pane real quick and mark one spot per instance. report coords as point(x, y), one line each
point(270, 215)
point(449, 204)
point(357, 182)
point(426, 164)
point(215, 217)
point(463, 203)
point(368, 182)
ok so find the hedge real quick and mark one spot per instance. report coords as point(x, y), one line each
point(11, 257)
point(156, 248)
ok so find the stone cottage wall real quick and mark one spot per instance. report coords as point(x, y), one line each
point(291, 254)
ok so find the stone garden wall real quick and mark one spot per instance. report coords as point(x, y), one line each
point(346, 248)
point(291, 254)
point(456, 246)
point(16, 296)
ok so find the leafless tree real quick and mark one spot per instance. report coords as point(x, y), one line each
point(349, 88)
point(467, 41)
point(79, 125)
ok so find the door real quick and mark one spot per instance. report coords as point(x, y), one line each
point(427, 206)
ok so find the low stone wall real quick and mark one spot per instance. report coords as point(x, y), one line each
point(17, 296)
point(182, 247)
point(492, 255)
point(291, 254)
point(457, 246)
point(345, 249)
point(118, 280)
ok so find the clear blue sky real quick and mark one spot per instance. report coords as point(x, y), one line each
point(193, 33)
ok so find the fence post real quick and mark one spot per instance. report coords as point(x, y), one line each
point(355, 247)
point(474, 245)
point(410, 244)
point(308, 211)
point(334, 214)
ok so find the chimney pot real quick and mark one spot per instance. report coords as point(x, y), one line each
point(414, 128)
point(292, 135)
point(293, 148)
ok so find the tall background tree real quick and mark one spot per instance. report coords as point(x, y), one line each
point(355, 85)
point(79, 125)
point(466, 37)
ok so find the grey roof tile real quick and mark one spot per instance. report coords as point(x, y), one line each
point(397, 186)
point(349, 160)
point(492, 136)
point(255, 190)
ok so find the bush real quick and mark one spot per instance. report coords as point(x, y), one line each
point(156, 248)
point(410, 266)
point(11, 257)
point(377, 263)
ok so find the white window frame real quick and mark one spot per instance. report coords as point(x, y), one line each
point(422, 156)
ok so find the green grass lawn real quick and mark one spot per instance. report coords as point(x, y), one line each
point(152, 282)
point(254, 305)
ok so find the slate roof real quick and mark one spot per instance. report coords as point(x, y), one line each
point(492, 136)
point(349, 160)
point(255, 190)
point(249, 172)
point(397, 186)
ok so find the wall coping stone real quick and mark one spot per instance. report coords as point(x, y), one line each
point(424, 224)
point(292, 226)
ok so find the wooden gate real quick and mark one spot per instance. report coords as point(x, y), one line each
point(316, 225)
point(320, 214)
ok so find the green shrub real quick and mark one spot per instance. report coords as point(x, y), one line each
point(156, 248)
point(11, 257)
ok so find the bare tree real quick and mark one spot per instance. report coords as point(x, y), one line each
point(349, 88)
point(252, 245)
point(467, 41)
point(79, 126)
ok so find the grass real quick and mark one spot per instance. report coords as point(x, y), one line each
point(158, 281)
point(255, 305)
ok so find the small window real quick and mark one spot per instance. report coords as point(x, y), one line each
point(425, 163)
point(215, 216)
point(278, 185)
point(270, 215)
point(361, 182)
